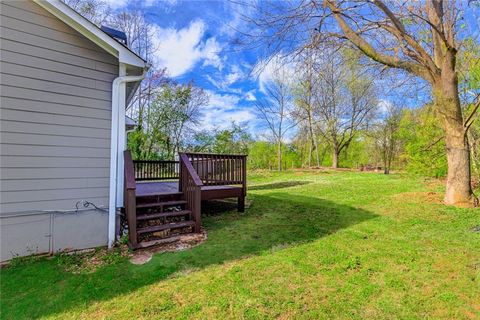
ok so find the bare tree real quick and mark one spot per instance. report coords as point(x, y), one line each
point(97, 11)
point(275, 109)
point(140, 39)
point(385, 135)
point(420, 38)
point(139, 34)
point(306, 108)
point(346, 102)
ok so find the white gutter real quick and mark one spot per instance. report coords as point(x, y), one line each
point(114, 150)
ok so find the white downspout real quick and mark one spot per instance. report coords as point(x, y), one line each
point(114, 147)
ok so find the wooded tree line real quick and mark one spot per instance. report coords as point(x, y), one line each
point(332, 103)
point(424, 39)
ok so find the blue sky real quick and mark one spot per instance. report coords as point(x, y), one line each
point(194, 42)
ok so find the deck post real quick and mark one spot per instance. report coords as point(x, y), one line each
point(241, 204)
point(197, 209)
point(241, 200)
point(130, 210)
point(180, 178)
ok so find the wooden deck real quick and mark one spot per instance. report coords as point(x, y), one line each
point(162, 199)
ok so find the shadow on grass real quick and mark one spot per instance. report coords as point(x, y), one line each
point(43, 288)
point(279, 185)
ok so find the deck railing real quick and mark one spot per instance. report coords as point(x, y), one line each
point(129, 198)
point(156, 170)
point(191, 187)
point(220, 169)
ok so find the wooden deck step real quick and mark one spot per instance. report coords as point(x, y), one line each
point(162, 204)
point(167, 226)
point(163, 215)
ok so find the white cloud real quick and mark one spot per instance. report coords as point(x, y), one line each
point(210, 52)
point(168, 2)
point(222, 110)
point(180, 50)
point(225, 101)
point(224, 81)
point(384, 106)
point(235, 75)
point(239, 10)
point(250, 96)
point(268, 69)
point(116, 4)
point(216, 83)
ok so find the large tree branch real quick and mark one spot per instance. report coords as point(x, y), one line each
point(368, 49)
point(434, 13)
point(471, 118)
point(433, 26)
point(423, 55)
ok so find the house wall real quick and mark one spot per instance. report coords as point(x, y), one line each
point(55, 114)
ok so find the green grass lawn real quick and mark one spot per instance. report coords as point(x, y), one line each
point(312, 245)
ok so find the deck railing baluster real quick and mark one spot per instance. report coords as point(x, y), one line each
point(215, 159)
point(232, 172)
point(212, 169)
point(219, 165)
point(219, 169)
point(227, 169)
point(155, 170)
point(223, 170)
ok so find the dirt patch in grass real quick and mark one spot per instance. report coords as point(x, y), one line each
point(434, 184)
point(88, 261)
point(302, 172)
point(141, 257)
point(420, 197)
point(186, 241)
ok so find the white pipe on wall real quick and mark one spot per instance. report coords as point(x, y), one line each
point(118, 109)
point(122, 96)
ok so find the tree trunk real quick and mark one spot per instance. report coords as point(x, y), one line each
point(386, 165)
point(313, 139)
point(458, 189)
point(318, 156)
point(279, 155)
point(335, 158)
point(386, 159)
point(310, 150)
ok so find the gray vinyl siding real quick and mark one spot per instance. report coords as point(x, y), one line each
point(54, 131)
